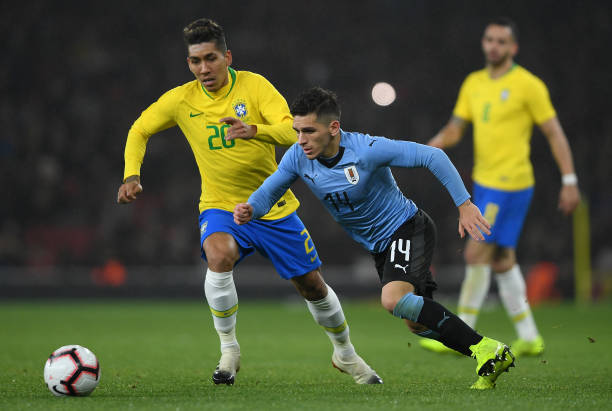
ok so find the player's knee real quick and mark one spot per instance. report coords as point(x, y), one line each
point(477, 253)
point(221, 253)
point(503, 260)
point(502, 266)
point(311, 285)
point(388, 302)
point(220, 262)
point(470, 256)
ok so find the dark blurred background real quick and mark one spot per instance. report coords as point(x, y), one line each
point(75, 75)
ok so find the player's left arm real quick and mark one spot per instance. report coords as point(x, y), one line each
point(277, 127)
point(569, 196)
point(412, 155)
point(544, 115)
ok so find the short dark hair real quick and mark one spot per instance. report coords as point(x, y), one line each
point(204, 31)
point(323, 103)
point(506, 22)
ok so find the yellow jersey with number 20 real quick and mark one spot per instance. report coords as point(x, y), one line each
point(503, 111)
point(230, 170)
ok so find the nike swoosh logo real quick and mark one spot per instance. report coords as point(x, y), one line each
point(313, 258)
point(195, 115)
point(372, 142)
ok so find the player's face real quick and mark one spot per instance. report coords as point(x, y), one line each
point(316, 138)
point(498, 44)
point(209, 65)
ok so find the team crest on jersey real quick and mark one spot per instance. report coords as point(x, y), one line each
point(240, 108)
point(351, 174)
point(505, 94)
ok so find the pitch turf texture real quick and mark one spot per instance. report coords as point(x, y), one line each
point(160, 355)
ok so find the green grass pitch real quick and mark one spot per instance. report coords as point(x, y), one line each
point(160, 355)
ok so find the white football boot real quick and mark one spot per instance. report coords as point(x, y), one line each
point(357, 368)
point(228, 366)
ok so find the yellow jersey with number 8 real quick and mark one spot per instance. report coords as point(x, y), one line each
point(502, 112)
point(230, 170)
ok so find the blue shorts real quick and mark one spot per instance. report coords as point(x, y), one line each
point(285, 242)
point(505, 211)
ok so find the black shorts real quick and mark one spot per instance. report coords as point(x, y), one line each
point(408, 256)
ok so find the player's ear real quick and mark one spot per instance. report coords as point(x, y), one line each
point(514, 49)
point(228, 57)
point(334, 128)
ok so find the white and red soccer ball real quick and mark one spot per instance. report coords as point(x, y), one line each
point(72, 370)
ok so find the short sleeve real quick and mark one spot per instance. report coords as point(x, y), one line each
point(538, 102)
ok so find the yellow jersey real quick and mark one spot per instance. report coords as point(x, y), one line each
point(503, 111)
point(230, 170)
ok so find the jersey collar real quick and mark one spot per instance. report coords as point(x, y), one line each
point(330, 162)
point(510, 70)
point(215, 95)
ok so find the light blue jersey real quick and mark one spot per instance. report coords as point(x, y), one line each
point(357, 186)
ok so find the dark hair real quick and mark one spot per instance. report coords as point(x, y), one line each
point(506, 22)
point(323, 103)
point(204, 31)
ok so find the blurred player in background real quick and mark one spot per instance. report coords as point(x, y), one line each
point(220, 105)
point(503, 101)
point(349, 173)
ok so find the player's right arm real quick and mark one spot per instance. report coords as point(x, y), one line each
point(157, 117)
point(270, 191)
point(129, 190)
point(452, 132)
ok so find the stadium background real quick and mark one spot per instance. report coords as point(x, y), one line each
point(74, 77)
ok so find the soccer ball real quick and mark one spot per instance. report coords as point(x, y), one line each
point(72, 370)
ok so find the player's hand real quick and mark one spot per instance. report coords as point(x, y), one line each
point(569, 198)
point(472, 221)
point(238, 129)
point(129, 190)
point(243, 213)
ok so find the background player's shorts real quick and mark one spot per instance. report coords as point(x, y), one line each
point(505, 211)
point(409, 255)
point(285, 242)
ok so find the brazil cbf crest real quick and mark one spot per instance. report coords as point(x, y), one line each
point(351, 174)
point(240, 108)
point(505, 94)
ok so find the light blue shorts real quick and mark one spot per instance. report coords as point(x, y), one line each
point(285, 242)
point(505, 210)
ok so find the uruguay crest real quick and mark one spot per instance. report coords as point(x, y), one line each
point(351, 174)
point(240, 109)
